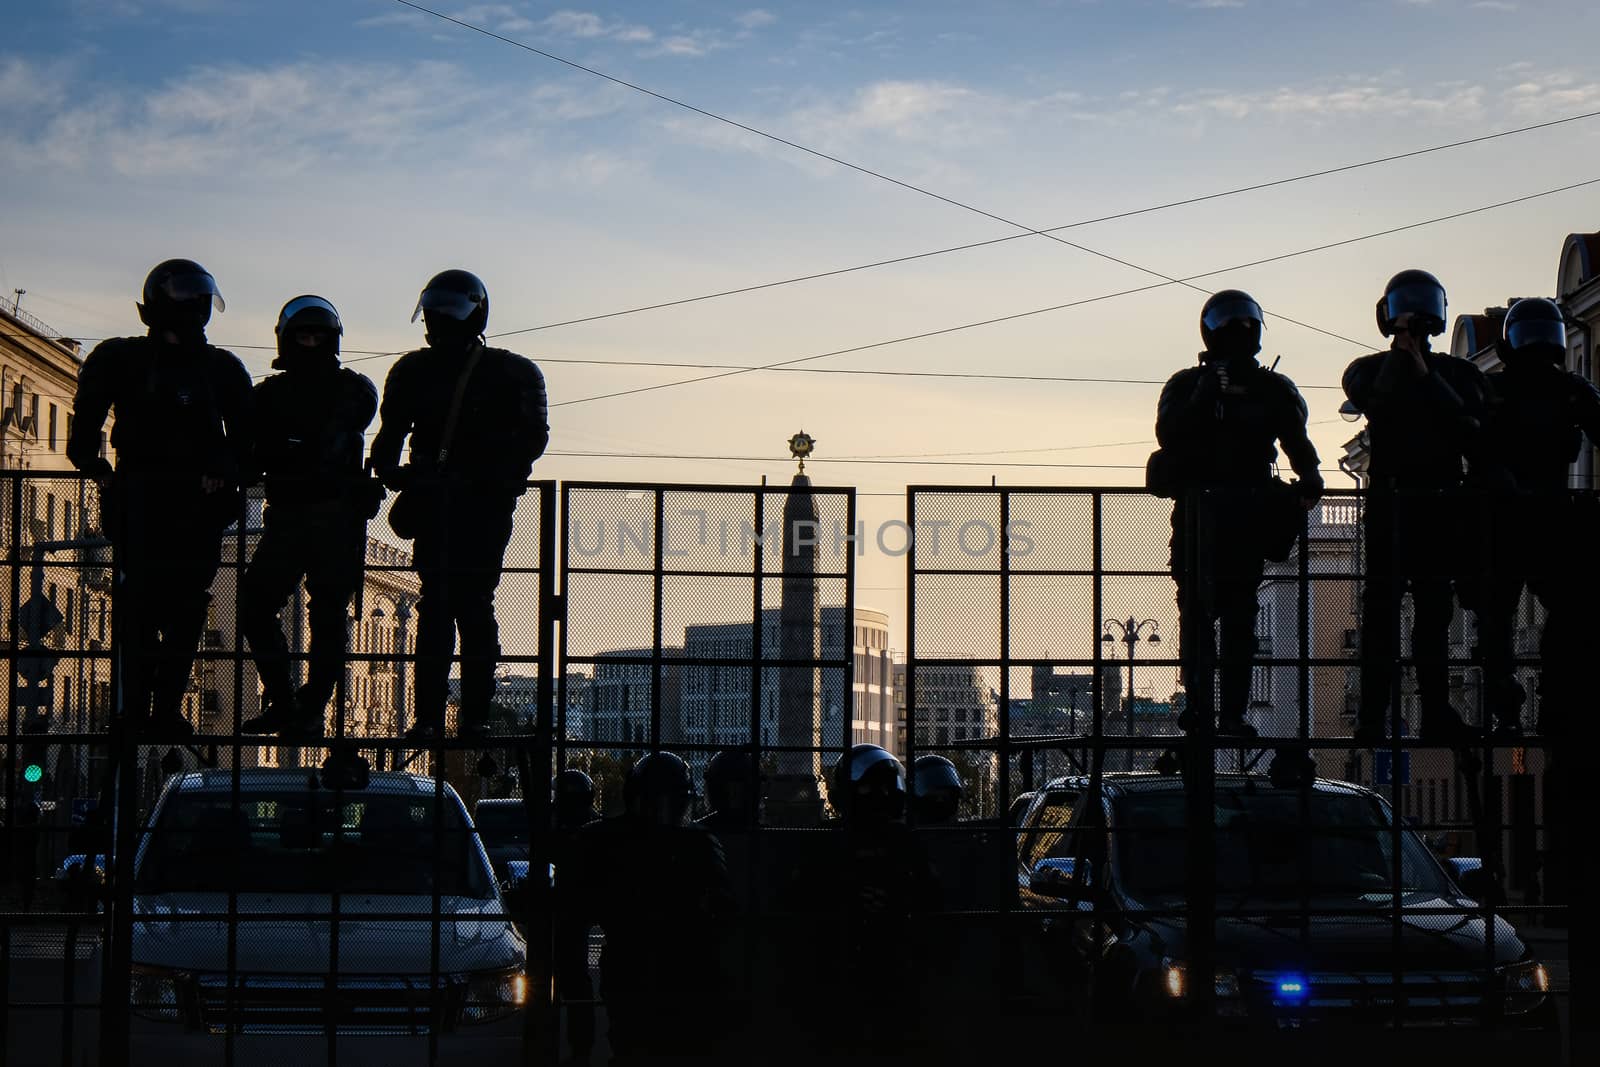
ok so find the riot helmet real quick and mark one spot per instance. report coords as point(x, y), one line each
point(662, 789)
point(1413, 301)
point(308, 331)
point(178, 296)
point(1230, 324)
point(936, 790)
point(572, 797)
point(454, 306)
point(1535, 331)
point(732, 782)
point(868, 785)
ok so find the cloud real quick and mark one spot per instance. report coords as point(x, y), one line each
point(298, 118)
point(1212, 5)
point(586, 25)
point(1494, 5)
point(28, 86)
point(755, 18)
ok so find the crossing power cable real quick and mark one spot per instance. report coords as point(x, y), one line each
point(869, 172)
point(362, 355)
point(913, 257)
point(1079, 302)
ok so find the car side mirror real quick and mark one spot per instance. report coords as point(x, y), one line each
point(1474, 879)
point(1065, 878)
point(516, 876)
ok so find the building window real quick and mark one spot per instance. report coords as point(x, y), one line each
point(53, 415)
point(211, 701)
point(49, 517)
point(66, 518)
point(34, 413)
point(70, 599)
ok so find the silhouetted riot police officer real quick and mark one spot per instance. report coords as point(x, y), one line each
point(1425, 418)
point(861, 892)
point(733, 791)
point(657, 887)
point(1544, 534)
point(936, 790)
point(572, 800)
point(183, 440)
point(477, 421)
point(310, 422)
point(1217, 425)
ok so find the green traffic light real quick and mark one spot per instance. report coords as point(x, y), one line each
point(32, 773)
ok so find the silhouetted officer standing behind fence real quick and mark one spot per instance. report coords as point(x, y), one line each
point(658, 888)
point(1217, 425)
point(183, 441)
point(310, 421)
point(477, 421)
point(1545, 537)
point(1425, 418)
point(850, 969)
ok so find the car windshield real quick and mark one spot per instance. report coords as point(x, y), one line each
point(305, 842)
point(1341, 846)
point(501, 823)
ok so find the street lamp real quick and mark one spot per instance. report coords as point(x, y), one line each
point(402, 622)
point(1130, 633)
point(17, 303)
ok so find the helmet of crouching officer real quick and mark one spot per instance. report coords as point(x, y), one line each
point(308, 333)
point(660, 790)
point(1413, 302)
point(572, 798)
point(1535, 332)
point(454, 307)
point(1230, 325)
point(868, 787)
point(178, 297)
point(936, 790)
point(732, 783)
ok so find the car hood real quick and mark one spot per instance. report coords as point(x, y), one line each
point(189, 932)
point(1350, 942)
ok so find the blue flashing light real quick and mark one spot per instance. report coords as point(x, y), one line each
point(1291, 987)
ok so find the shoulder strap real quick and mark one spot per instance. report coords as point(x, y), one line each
point(454, 415)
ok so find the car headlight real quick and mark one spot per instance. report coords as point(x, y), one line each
point(494, 995)
point(1175, 981)
point(153, 993)
point(1527, 982)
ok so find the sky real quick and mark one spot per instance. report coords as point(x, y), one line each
point(354, 148)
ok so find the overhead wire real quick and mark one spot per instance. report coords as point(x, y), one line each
point(912, 257)
point(362, 355)
point(869, 172)
point(1080, 302)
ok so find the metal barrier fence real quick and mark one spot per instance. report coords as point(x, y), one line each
point(287, 904)
point(1317, 905)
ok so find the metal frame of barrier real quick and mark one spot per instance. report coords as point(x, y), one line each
point(979, 612)
point(613, 682)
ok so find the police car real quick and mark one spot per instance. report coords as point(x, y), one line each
point(1309, 936)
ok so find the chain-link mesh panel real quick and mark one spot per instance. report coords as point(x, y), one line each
point(1103, 803)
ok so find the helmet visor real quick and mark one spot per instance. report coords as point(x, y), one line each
point(447, 302)
point(192, 285)
point(1417, 299)
point(1537, 332)
point(1234, 309)
point(308, 313)
point(860, 764)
